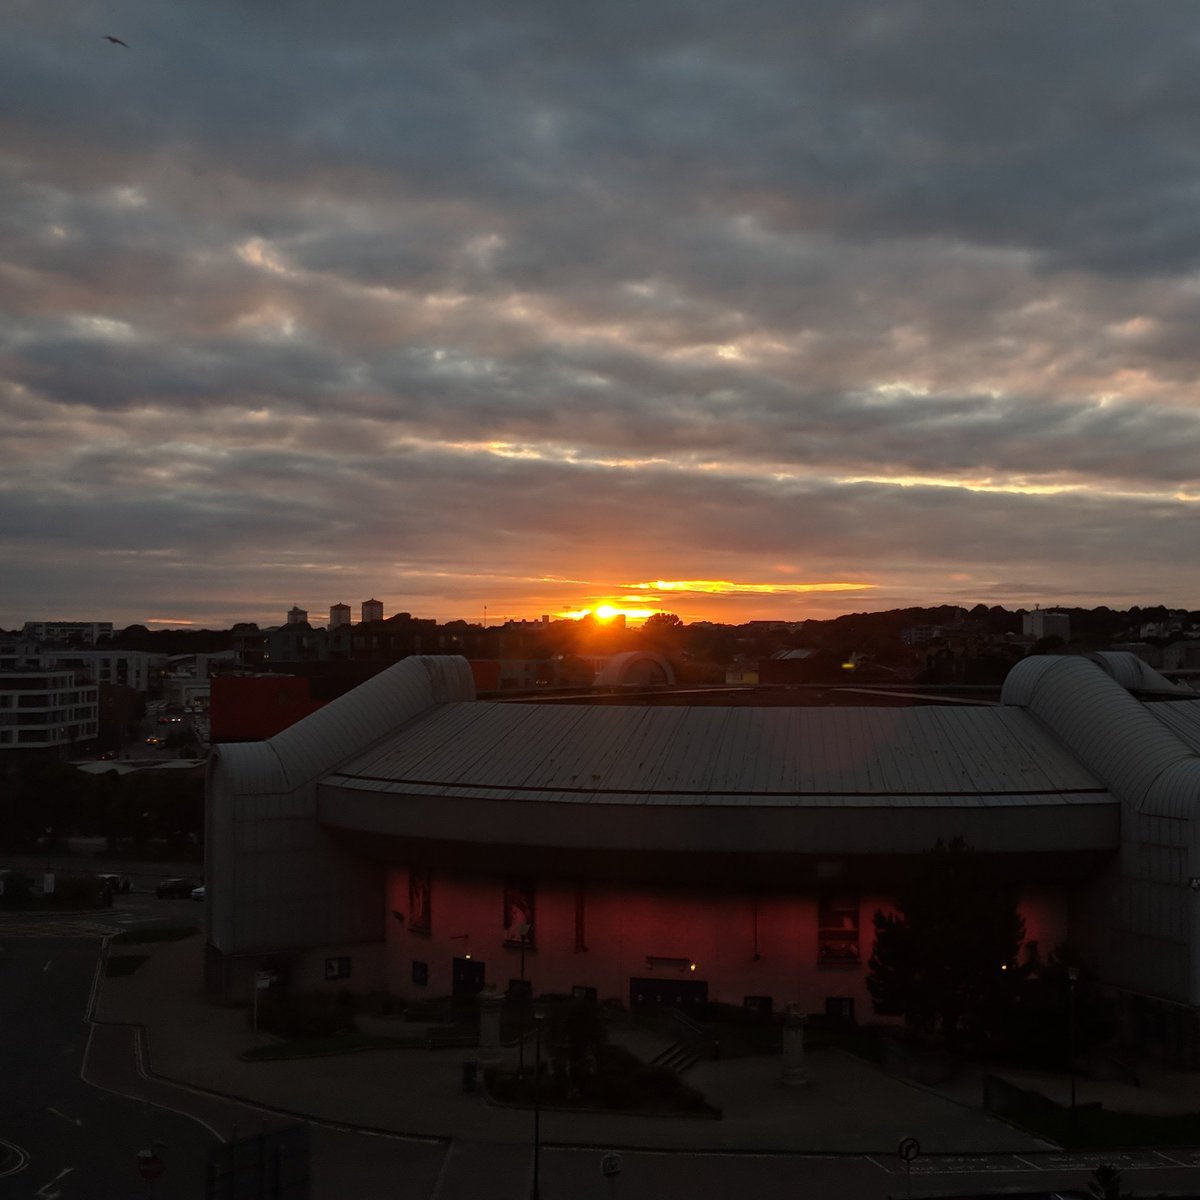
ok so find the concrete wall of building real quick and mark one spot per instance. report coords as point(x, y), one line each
point(1141, 924)
point(741, 945)
point(275, 880)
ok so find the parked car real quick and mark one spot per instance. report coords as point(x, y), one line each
point(175, 888)
point(115, 883)
point(199, 893)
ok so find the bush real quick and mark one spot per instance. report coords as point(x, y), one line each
point(380, 1004)
point(17, 887)
point(660, 1082)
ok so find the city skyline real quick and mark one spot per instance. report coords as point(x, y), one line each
point(841, 308)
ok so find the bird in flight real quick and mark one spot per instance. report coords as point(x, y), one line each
point(116, 41)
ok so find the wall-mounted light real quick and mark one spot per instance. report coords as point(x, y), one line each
point(691, 966)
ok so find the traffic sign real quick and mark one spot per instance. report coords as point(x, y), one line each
point(149, 1165)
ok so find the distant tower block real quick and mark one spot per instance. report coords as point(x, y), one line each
point(297, 615)
point(339, 615)
point(372, 610)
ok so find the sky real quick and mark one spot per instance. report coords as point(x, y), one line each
point(754, 310)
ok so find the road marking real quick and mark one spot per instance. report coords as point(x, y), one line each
point(145, 1099)
point(73, 1120)
point(47, 966)
point(44, 1191)
point(22, 1159)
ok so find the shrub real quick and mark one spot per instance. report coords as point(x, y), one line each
point(17, 887)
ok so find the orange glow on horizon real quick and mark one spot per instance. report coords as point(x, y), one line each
point(725, 587)
point(605, 613)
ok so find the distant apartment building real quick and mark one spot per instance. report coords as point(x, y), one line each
point(137, 669)
point(372, 610)
point(339, 615)
point(78, 633)
point(46, 710)
point(1043, 623)
point(297, 615)
point(921, 635)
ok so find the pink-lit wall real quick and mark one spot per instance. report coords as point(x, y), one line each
point(624, 926)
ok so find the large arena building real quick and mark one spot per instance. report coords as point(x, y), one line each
point(412, 838)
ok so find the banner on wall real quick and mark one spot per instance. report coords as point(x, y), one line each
point(419, 917)
point(518, 912)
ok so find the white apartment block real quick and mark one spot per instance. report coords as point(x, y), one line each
point(83, 632)
point(46, 709)
point(1043, 623)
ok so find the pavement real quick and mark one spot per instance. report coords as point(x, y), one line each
point(395, 1124)
point(849, 1106)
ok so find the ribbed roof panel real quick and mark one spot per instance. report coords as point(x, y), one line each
point(1182, 718)
point(374, 709)
point(627, 753)
point(1120, 738)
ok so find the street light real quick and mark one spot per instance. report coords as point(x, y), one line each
point(539, 1017)
point(1072, 979)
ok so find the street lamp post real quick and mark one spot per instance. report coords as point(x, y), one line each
point(1072, 979)
point(538, 1018)
point(523, 933)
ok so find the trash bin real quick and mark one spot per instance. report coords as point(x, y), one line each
point(470, 1075)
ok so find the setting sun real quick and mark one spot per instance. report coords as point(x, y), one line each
point(604, 613)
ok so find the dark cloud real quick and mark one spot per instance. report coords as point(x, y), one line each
point(902, 294)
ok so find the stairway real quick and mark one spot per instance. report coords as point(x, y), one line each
point(679, 1057)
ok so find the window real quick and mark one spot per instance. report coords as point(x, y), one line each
point(840, 1009)
point(837, 928)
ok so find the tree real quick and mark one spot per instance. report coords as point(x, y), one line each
point(662, 622)
point(1106, 1184)
point(950, 950)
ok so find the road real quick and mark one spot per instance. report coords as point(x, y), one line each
point(80, 1142)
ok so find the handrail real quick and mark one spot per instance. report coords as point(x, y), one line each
point(696, 1035)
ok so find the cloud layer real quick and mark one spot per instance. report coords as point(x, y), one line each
point(525, 305)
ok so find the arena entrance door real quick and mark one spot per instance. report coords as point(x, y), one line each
point(667, 993)
point(467, 976)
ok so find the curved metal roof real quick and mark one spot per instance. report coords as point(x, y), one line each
point(752, 756)
point(1138, 676)
point(347, 725)
point(251, 768)
point(614, 672)
point(1112, 732)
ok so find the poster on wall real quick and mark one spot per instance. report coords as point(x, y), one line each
point(518, 912)
point(419, 919)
